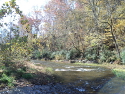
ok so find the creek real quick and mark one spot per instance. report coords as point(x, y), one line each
point(87, 79)
point(75, 79)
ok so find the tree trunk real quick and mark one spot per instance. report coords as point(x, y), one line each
point(114, 38)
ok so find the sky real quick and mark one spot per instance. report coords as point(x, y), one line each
point(26, 5)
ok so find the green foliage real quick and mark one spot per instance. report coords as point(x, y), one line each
point(5, 53)
point(63, 54)
point(104, 55)
point(46, 54)
point(7, 79)
point(53, 55)
point(9, 8)
point(27, 76)
point(72, 54)
point(91, 53)
point(91, 57)
point(20, 71)
point(119, 73)
point(68, 56)
point(14, 71)
point(20, 50)
point(123, 56)
point(18, 39)
point(107, 56)
point(60, 55)
point(36, 54)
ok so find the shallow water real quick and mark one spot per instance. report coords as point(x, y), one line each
point(86, 79)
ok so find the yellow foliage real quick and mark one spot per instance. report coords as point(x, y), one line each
point(108, 34)
point(7, 43)
point(120, 26)
point(92, 39)
point(20, 50)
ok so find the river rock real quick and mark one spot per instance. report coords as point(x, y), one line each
point(72, 61)
point(83, 61)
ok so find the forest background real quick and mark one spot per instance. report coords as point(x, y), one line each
point(80, 29)
point(91, 30)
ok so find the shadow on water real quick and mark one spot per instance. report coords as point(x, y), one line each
point(114, 86)
point(83, 79)
point(84, 83)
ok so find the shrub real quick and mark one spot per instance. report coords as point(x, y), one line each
point(91, 54)
point(63, 52)
point(104, 56)
point(53, 55)
point(123, 56)
point(41, 54)
point(46, 54)
point(20, 71)
point(72, 54)
point(7, 79)
point(68, 55)
point(21, 50)
point(27, 75)
point(59, 55)
point(36, 54)
point(5, 53)
point(107, 56)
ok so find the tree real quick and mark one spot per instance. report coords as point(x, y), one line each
point(36, 18)
point(9, 9)
point(55, 17)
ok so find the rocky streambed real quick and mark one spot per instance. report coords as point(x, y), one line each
point(43, 89)
point(86, 87)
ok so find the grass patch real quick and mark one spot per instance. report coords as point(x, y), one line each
point(119, 73)
point(49, 70)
